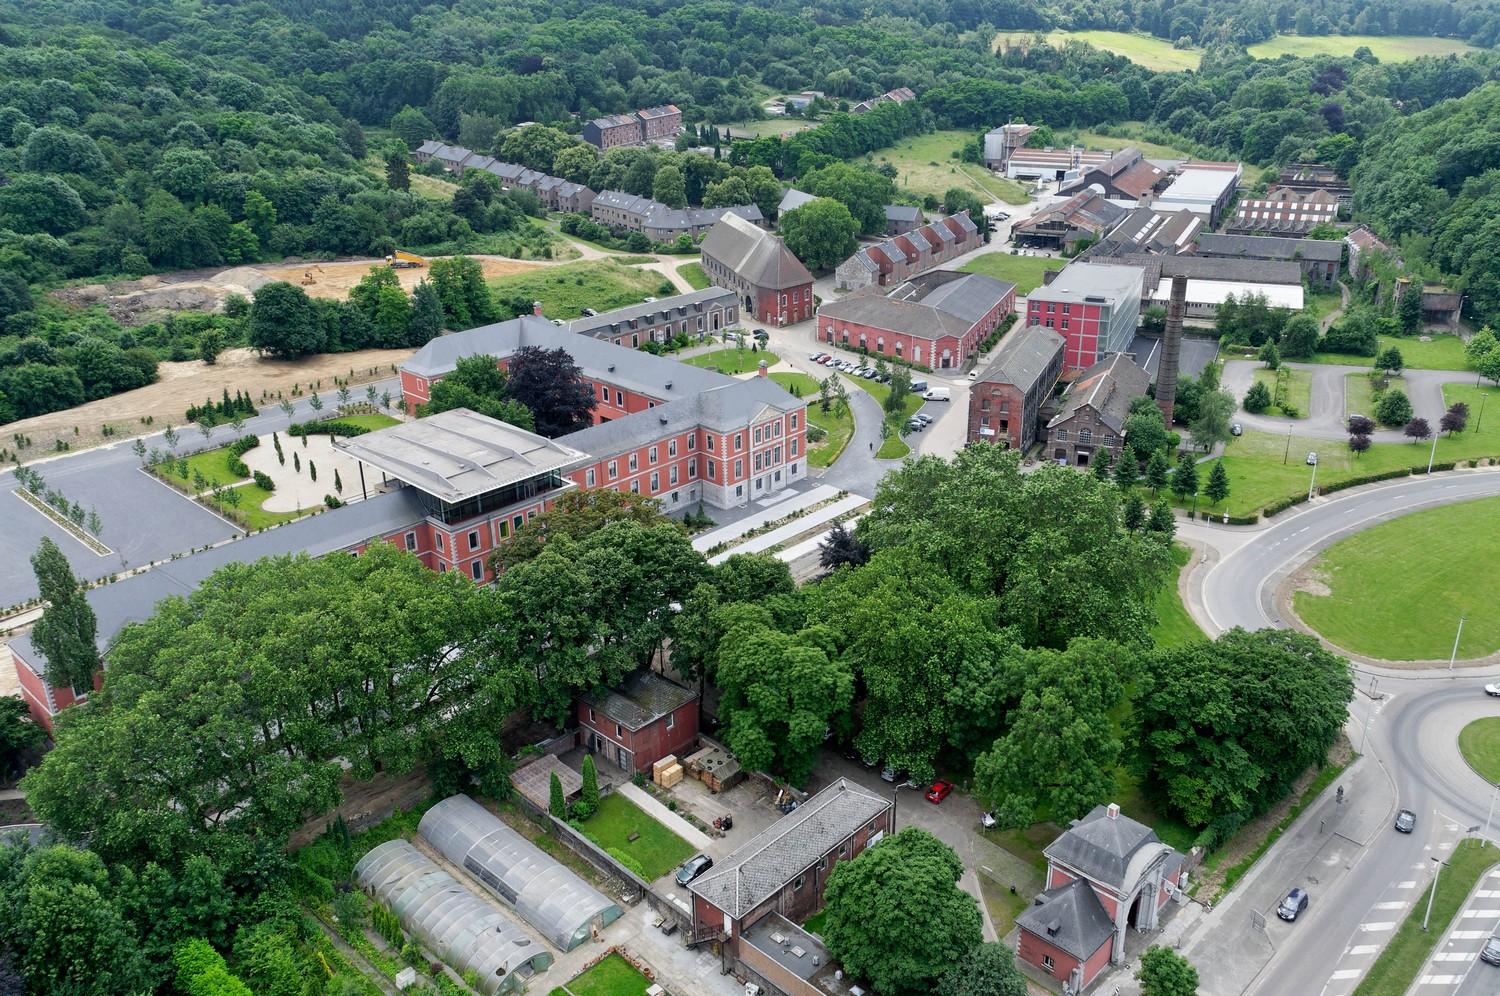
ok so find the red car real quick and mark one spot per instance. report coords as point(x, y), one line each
point(939, 791)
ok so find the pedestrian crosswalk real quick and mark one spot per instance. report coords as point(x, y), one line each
point(1456, 956)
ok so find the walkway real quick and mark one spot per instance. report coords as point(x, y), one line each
point(770, 512)
point(665, 816)
point(795, 528)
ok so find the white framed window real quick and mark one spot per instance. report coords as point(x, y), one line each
point(671, 448)
point(439, 540)
point(614, 469)
point(473, 539)
point(477, 569)
point(671, 720)
point(651, 455)
point(655, 482)
point(590, 477)
point(411, 540)
point(634, 462)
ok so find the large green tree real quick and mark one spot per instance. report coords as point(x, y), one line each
point(820, 233)
point(989, 970)
point(1164, 972)
point(896, 915)
point(478, 384)
point(283, 321)
point(67, 632)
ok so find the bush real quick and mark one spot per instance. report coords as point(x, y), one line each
point(1448, 465)
point(1258, 398)
point(332, 427)
point(1355, 482)
point(628, 863)
point(332, 502)
point(263, 481)
point(1282, 504)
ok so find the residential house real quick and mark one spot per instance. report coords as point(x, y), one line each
point(695, 314)
point(1307, 177)
point(1204, 188)
point(1106, 874)
point(661, 123)
point(1094, 410)
point(1085, 215)
point(1096, 307)
point(900, 95)
point(1319, 259)
point(902, 218)
point(1284, 212)
point(650, 124)
point(792, 200)
point(555, 193)
point(937, 319)
point(902, 257)
point(1126, 175)
point(629, 213)
point(637, 723)
point(1005, 401)
point(772, 283)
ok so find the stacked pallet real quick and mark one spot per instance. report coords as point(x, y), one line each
point(667, 771)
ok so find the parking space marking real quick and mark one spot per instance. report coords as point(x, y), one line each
point(1469, 935)
point(1439, 980)
point(1345, 973)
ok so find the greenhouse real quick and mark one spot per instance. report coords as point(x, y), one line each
point(550, 897)
point(466, 932)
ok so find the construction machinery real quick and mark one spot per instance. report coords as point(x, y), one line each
point(405, 260)
point(307, 278)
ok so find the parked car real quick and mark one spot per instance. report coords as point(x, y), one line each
point(588, 313)
point(692, 868)
point(1236, 429)
point(1406, 821)
point(974, 374)
point(1293, 905)
point(892, 774)
point(940, 790)
point(938, 394)
point(1312, 459)
point(817, 357)
point(731, 337)
point(912, 425)
point(1490, 953)
point(924, 418)
point(918, 386)
point(869, 763)
point(1492, 689)
point(762, 335)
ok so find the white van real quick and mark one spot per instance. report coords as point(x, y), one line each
point(938, 394)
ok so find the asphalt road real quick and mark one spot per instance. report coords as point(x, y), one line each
point(1363, 877)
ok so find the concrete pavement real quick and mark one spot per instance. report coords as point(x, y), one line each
point(1454, 968)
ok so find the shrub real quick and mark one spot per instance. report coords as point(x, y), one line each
point(1282, 504)
point(628, 863)
point(1354, 482)
point(263, 481)
point(333, 427)
point(1258, 398)
point(332, 502)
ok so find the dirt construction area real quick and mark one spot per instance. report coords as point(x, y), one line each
point(189, 382)
point(134, 302)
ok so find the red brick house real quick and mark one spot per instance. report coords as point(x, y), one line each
point(1094, 411)
point(1005, 403)
point(1105, 874)
point(914, 251)
point(641, 721)
point(785, 868)
point(937, 319)
point(772, 283)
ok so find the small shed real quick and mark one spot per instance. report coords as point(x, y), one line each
point(715, 767)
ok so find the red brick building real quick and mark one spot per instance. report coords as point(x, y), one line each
point(1105, 874)
point(915, 251)
point(937, 319)
point(772, 283)
point(1005, 402)
point(641, 721)
point(1096, 307)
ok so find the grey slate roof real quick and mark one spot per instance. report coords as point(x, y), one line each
point(1108, 387)
point(950, 308)
point(902, 212)
point(1069, 917)
point(792, 200)
point(641, 699)
point(1270, 247)
point(767, 862)
point(1100, 846)
point(970, 297)
point(1250, 271)
point(754, 254)
point(1024, 356)
point(649, 313)
point(134, 598)
point(729, 405)
point(655, 214)
point(1088, 210)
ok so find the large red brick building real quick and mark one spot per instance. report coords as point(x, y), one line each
point(898, 259)
point(937, 319)
point(1105, 874)
point(639, 722)
point(1005, 402)
point(772, 283)
point(1096, 307)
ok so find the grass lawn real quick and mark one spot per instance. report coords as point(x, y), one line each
point(1359, 393)
point(1397, 967)
point(770, 126)
point(1141, 49)
point(1023, 271)
point(213, 464)
point(814, 923)
point(249, 511)
point(880, 392)
point(1387, 48)
point(613, 976)
point(693, 274)
point(734, 361)
point(601, 284)
point(1174, 627)
point(1099, 140)
point(1298, 390)
point(657, 849)
point(1004, 906)
point(1480, 744)
point(925, 165)
point(1385, 582)
point(371, 422)
point(1444, 352)
point(1322, 304)
point(894, 448)
point(839, 427)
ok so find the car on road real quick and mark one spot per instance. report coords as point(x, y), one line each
point(731, 337)
point(1406, 821)
point(1492, 689)
point(1236, 429)
point(1312, 459)
point(974, 374)
point(817, 357)
point(1490, 953)
point(1293, 905)
point(938, 394)
point(692, 868)
point(939, 791)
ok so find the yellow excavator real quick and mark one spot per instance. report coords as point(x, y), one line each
point(405, 260)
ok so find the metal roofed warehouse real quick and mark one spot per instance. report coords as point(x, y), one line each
point(467, 932)
point(550, 897)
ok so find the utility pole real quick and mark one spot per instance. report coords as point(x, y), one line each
point(1288, 454)
point(1312, 485)
point(1459, 635)
point(1435, 876)
point(1433, 454)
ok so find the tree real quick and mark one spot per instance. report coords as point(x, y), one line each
point(412, 126)
point(1133, 512)
point(36, 203)
point(588, 795)
point(466, 298)
point(1185, 477)
point(426, 321)
point(477, 383)
point(1488, 366)
point(67, 630)
point(1127, 470)
point(1270, 355)
point(1299, 339)
point(1211, 424)
point(1161, 521)
point(1390, 361)
point(210, 344)
point(1164, 972)
point(1417, 429)
point(988, 970)
point(1225, 728)
point(1393, 408)
point(820, 233)
point(957, 200)
point(1409, 309)
point(575, 515)
point(1217, 488)
point(18, 735)
point(283, 321)
point(1158, 471)
point(1145, 429)
point(896, 915)
point(1358, 443)
point(1101, 464)
point(669, 187)
point(352, 137)
point(1480, 344)
point(841, 548)
point(1455, 418)
point(1257, 398)
point(1360, 425)
point(553, 389)
point(556, 803)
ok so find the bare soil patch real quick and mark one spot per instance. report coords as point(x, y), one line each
point(189, 382)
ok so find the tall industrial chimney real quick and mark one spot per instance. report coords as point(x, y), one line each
point(1171, 350)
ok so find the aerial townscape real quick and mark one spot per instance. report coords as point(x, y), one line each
point(756, 499)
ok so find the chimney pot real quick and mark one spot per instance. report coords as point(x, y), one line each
point(536, 308)
point(1112, 811)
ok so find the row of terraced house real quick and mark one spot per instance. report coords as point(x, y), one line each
point(902, 257)
point(555, 192)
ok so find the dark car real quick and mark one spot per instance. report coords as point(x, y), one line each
point(693, 867)
point(1406, 821)
point(1490, 953)
point(1293, 905)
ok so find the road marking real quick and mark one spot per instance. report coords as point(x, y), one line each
point(1406, 885)
point(1473, 914)
point(1393, 905)
point(1487, 893)
point(1371, 928)
point(1345, 973)
point(1439, 980)
point(1453, 956)
point(1364, 949)
point(1468, 935)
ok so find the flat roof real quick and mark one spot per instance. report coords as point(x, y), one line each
point(1215, 292)
point(460, 454)
point(1196, 183)
point(789, 946)
point(1079, 281)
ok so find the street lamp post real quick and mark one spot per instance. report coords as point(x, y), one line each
point(1312, 485)
point(1458, 636)
point(1288, 454)
point(1435, 876)
point(1431, 456)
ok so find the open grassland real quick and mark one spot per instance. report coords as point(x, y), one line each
point(1442, 352)
point(1387, 48)
point(768, 127)
point(925, 165)
point(1141, 49)
point(1396, 590)
point(1023, 271)
point(601, 284)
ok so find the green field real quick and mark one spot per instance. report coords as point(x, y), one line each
point(1396, 590)
point(1444, 352)
point(893, 448)
point(1359, 393)
point(925, 165)
point(213, 465)
point(1174, 627)
point(1387, 48)
point(880, 392)
point(839, 427)
point(1023, 271)
point(769, 126)
point(693, 274)
point(601, 284)
point(733, 361)
point(1397, 966)
point(1109, 143)
point(1322, 304)
point(249, 512)
point(1141, 49)
point(1480, 744)
point(656, 849)
point(1298, 391)
point(370, 421)
point(613, 976)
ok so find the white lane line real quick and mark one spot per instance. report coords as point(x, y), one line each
point(1468, 935)
point(1475, 914)
point(1406, 885)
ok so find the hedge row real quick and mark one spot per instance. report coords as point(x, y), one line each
point(1282, 504)
point(331, 428)
point(1354, 482)
point(237, 449)
point(1234, 520)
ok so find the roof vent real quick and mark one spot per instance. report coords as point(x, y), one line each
point(669, 385)
point(663, 419)
point(1112, 811)
point(611, 368)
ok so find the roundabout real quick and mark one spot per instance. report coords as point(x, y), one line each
point(1479, 743)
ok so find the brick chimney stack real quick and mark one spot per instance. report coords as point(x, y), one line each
point(1171, 350)
point(536, 308)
